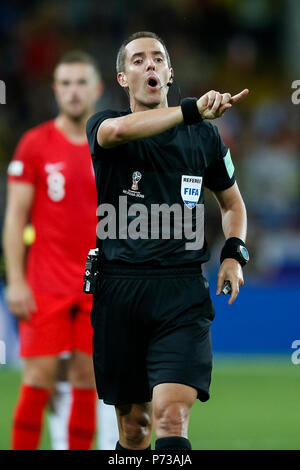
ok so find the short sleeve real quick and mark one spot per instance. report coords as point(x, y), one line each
point(92, 127)
point(219, 175)
point(23, 166)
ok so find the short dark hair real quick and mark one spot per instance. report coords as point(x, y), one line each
point(78, 56)
point(120, 66)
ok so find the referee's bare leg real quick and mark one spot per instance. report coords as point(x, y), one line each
point(172, 403)
point(135, 426)
point(170, 411)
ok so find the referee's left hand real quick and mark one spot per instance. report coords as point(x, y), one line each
point(230, 270)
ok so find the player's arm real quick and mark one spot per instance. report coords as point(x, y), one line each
point(143, 124)
point(234, 224)
point(19, 202)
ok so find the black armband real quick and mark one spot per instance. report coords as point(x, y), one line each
point(190, 111)
point(235, 248)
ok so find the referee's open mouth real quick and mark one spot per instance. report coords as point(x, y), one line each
point(152, 82)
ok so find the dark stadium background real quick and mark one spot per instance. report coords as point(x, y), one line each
point(226, 45)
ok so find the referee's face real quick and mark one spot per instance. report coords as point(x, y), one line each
point(76, 88)
point(146, 74)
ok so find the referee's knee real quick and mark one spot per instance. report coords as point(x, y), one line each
point(135, 429)
point(135, 434)
point(171, 419)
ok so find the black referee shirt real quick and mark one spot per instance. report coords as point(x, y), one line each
point(169, 168)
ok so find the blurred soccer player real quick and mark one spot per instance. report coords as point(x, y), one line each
point(50, 168)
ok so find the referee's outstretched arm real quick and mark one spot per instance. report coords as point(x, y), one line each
point(143, 124)
point(234, 224)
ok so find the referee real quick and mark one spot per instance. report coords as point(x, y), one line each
point(152, 312)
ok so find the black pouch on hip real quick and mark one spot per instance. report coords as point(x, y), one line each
point(91, 273)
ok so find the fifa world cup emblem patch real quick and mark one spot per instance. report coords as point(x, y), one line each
point(134, 191)
point(136, 178)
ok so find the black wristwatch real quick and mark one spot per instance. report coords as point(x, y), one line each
point(236, 249)
point(243, 253)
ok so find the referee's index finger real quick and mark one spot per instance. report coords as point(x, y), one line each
point(240, 95)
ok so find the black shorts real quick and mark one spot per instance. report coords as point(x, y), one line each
point(151, 326)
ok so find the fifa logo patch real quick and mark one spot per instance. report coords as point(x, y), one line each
point(134, 191)
point(136, 178)
point(191, 190)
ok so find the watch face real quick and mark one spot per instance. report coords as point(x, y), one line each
point(244, 253)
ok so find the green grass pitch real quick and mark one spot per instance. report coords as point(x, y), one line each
point(254, 404)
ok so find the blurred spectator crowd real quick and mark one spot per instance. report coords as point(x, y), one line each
point(226, 45)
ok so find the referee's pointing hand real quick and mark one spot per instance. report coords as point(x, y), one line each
point(214, 104)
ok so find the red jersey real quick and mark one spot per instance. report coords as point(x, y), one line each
point(64, 207)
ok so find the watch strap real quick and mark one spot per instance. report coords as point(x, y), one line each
point(231, 250)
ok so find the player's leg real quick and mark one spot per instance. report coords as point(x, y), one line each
point(41, 340)
point(59, 406)
point(108, 433)
point(81, 372)
point(172, 403)
point(82, 422)
point(37, 383)
point(135, 426)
